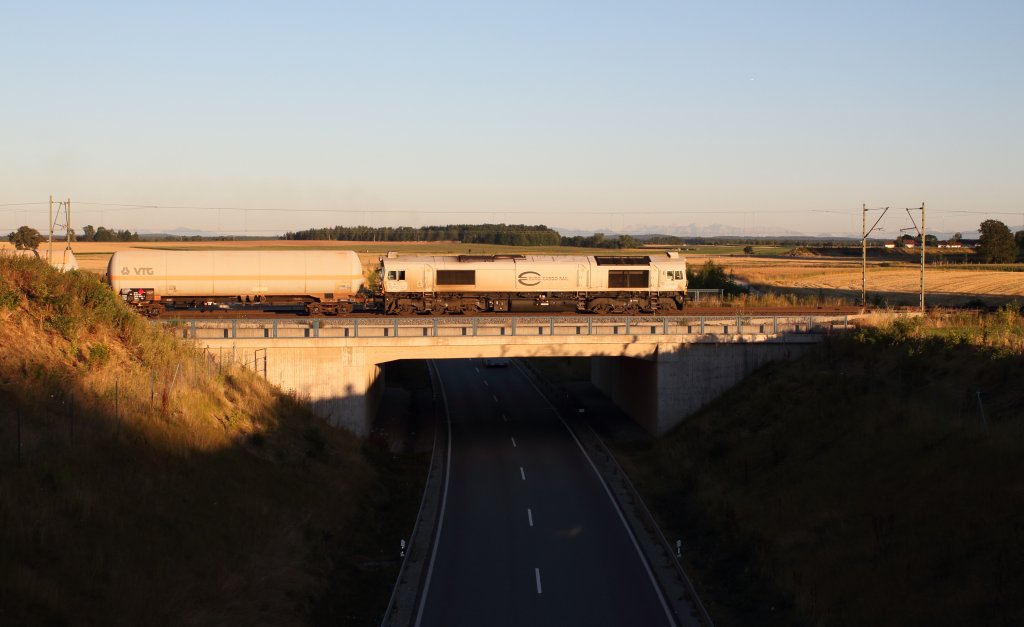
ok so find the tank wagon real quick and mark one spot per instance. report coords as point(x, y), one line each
point(477, 283)
point(323, 282)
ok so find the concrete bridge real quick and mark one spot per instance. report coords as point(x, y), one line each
point(658, 369)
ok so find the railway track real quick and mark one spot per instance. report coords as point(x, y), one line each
point(689, 312)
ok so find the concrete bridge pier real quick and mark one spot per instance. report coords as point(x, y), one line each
point(661, 390)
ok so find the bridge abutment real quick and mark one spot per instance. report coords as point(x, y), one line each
point(660, 391)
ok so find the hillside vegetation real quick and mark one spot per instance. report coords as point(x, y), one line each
point(143, 482)
point(879, 481)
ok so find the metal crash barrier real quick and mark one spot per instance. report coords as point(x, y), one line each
point(494, 326)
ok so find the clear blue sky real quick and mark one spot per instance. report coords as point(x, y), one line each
point(592, 115)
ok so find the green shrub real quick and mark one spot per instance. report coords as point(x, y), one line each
point(99, 354)
point(9, 298)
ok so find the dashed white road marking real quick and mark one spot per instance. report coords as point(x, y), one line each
point(536, 574)
point(529, 515)
point(504, 418)
point(486, 383)
point(495, 398)
point(513, 442)
point(477, 369)
point(522, 473)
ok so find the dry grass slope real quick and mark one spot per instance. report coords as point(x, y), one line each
point(860, 485)
point(154, 487)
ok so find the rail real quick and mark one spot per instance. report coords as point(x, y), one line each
point(697, 326)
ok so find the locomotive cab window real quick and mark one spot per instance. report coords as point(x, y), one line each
point(456, 277)
point(628, 278)
point(396, 275)
point(675, 274)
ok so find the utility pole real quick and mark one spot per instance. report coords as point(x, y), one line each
point(864, 232)
point(51, 230)
point(924, 246)
point(62, 218)
point(922, 234)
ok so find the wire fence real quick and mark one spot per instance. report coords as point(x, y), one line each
point(59, 414)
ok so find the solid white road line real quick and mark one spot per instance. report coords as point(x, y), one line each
point(529, 515)
point(615, 504)
point(536, 573)
point(513, 442)
point(522, 473)
point(444, 502)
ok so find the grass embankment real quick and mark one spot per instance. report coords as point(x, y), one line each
point(860, 485)
point(155, 487)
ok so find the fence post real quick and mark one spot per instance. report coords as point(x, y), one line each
point(702, 325)
point(435, 327)
point(396, 327)
point(355, 327)
point(71, 416)
point(552, 325)
point(590, 325)
point(234, 328)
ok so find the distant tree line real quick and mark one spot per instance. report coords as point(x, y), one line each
point(599, 240)
point(502, 234)
point(103, 234)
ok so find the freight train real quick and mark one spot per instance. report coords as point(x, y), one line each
point(332, 282)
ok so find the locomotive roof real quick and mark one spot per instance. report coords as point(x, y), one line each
point(505, 259)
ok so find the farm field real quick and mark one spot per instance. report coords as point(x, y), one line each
point(93, 256)
point(894, 284)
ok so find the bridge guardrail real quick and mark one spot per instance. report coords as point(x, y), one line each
point(520, 326)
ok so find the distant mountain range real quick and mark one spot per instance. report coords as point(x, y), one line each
point(724, 230)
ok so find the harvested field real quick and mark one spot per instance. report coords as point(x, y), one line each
point(943, 284)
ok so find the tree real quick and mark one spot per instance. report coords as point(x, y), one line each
point(88, 233)
point(1019, 237)
point(956, 238)
point(748, 250)
point(25, 238)
point(103, 234)
point(996, 244)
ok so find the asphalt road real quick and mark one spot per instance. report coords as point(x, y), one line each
point(529, 535)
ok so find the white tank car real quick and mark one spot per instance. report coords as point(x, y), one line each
point(594, 284)
point(324, 281)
